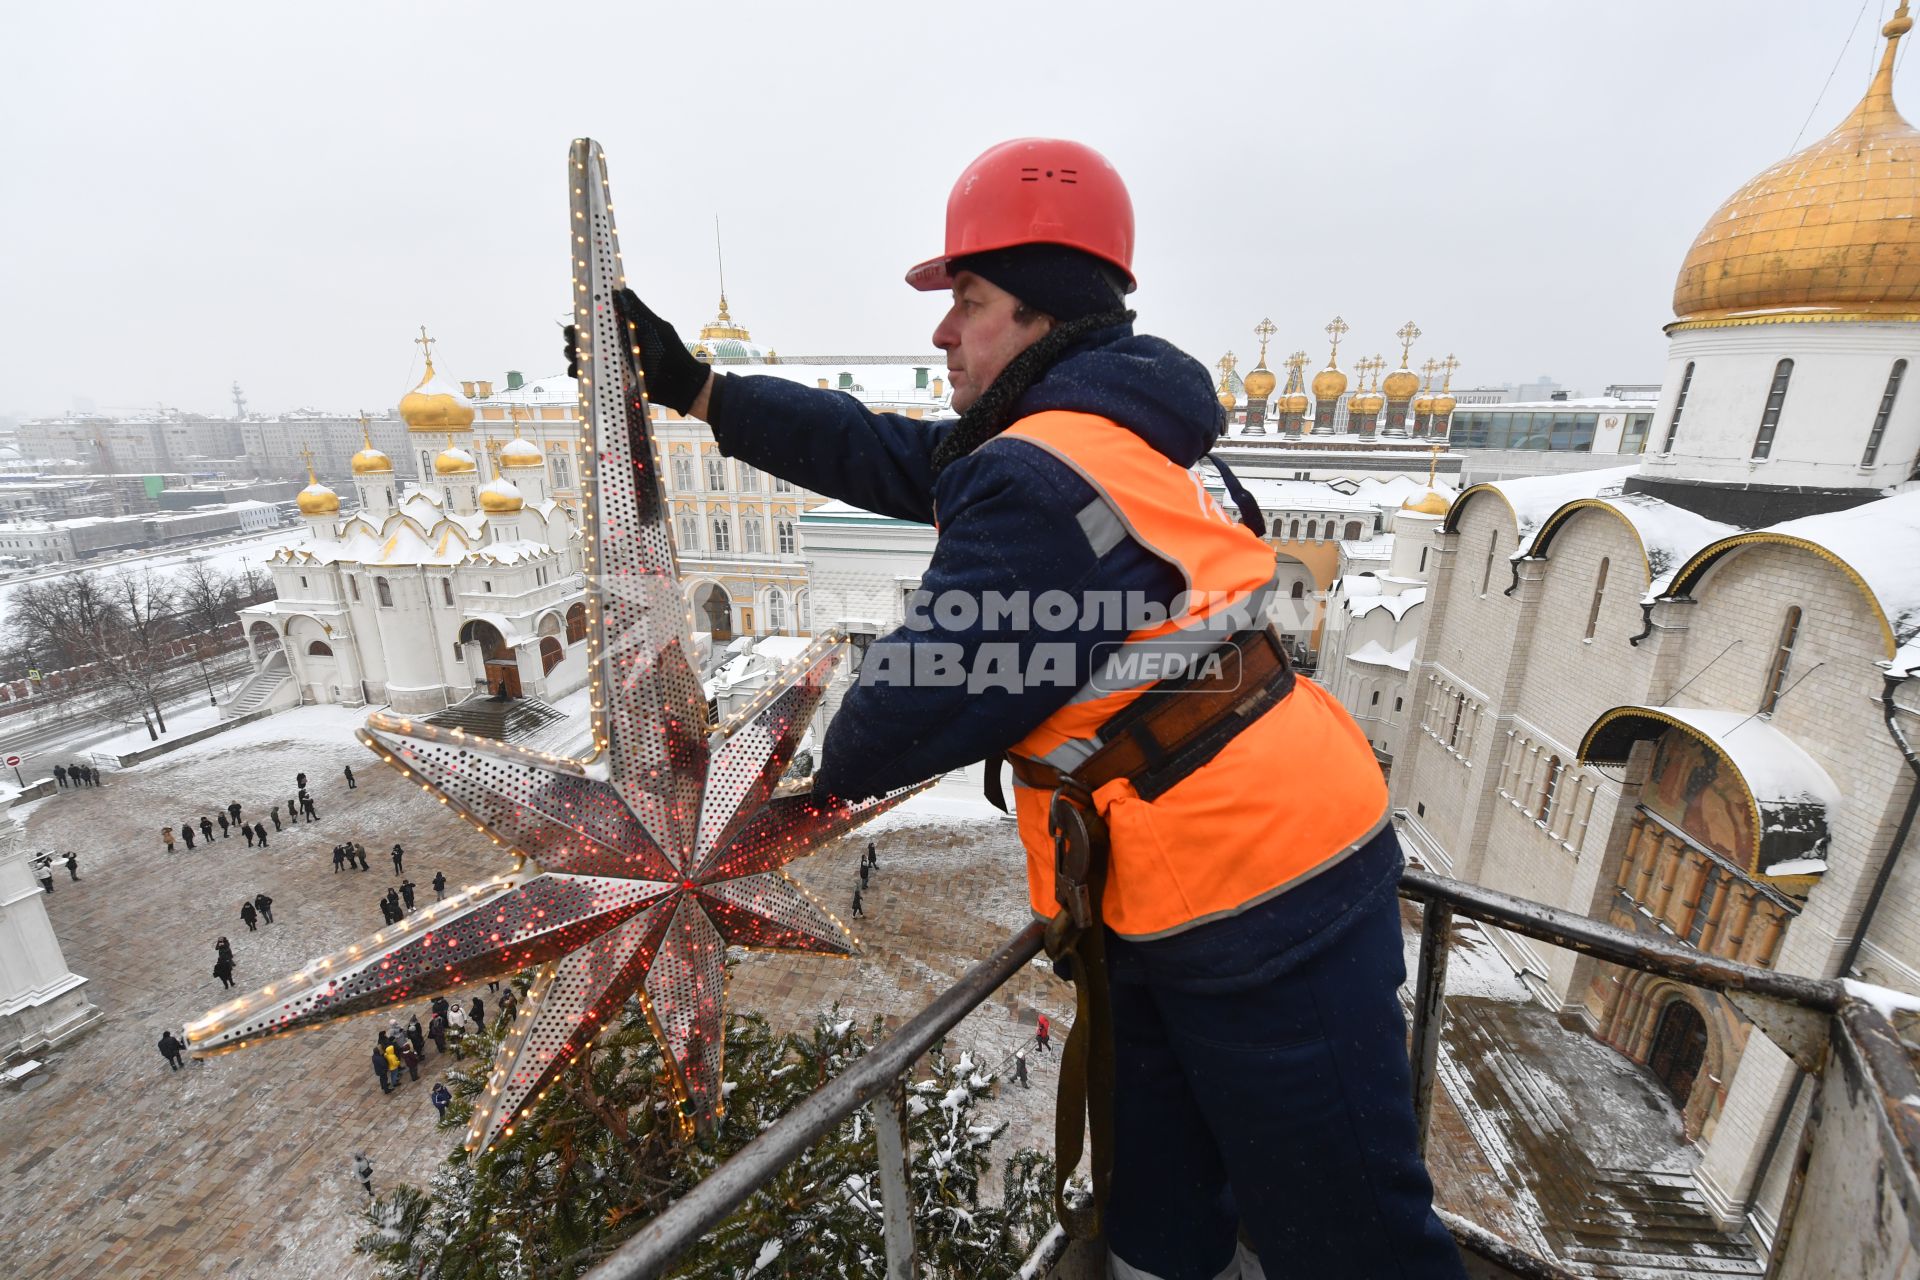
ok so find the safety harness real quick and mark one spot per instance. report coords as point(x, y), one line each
point(1161, 737)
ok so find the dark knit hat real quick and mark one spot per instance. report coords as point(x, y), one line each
point(1064, 283)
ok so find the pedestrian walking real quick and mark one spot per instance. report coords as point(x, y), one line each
point(60, 775)
point(386, 910)
point(457, 1021)
point(409, 1056)
point(363, 1170)
point(206, 829)
point(93, 776)
point(437, 1031)
point(225, 833)
point(351, 784)
point(509, 1005)
point(398, 852)
point(275, 815)
point(393, 903)
point(380, 1063)
point(170, 1049)
point(233, 812)
point(360, 852)
point(394, 1065)
point(339, 858)
point(1042, 1033)
point(73, 865)
point(293, 809)
point(249, 914)
point(223, 947)
point(43, 868)
point(260, 835)
point(866, 869)
point(1020, 1070)
point(416, 1035)
point(300, 781)
point(873, 859)
point(186, 832)
point(247, 831)
point(477, 1013)
point(306, 807)
point(406, 893)
point(223, 970)
point(166, 837)
point(440, 1098)
point(439, 885)
point(262, 901)
point(858, 911)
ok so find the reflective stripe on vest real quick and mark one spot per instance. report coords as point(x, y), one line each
point(1287, 798)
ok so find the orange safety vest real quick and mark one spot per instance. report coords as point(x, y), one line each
point(1288, 797)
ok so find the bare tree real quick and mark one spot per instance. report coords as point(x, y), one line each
point(109, 630)
point(205, 595)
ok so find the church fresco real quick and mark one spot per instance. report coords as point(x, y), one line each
point(1695, 790)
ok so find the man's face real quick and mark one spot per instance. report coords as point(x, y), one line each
point(981, 336)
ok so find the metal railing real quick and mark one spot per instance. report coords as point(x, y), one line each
point(1798, 1013)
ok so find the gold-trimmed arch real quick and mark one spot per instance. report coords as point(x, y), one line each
point(1543, 538)
point(1706, 557)
point(1450, 523)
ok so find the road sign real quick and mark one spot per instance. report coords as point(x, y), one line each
point(14, 762)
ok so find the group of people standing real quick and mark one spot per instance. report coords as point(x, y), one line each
point(43, 864)
point(868, 863)
point(260, 908)
point(76, 775)
point(230, 821)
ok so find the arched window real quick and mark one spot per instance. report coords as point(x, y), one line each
point(1886, 411)
point(1782, 658)
point(689, 532)
point(319, 649)
point(802, 611)
point(385, 592)
point(1599, 591)
point(722, 535)
point(1486, 571)
point(1313, 530)
point(1295, 535)
point(1375, 701)
point(776, 610)
point(783, 535)
point(1397, 702)
point(446, 591)
point(1353, 530)
point(550, 654)
point(1423, 560)
point(1679, 406)
point(577, 623)
point(1299, 591)
point(1770, 416)
point(683, 474)
point(751, 536)
point(1548, 786)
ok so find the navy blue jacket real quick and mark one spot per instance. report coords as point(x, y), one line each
point(1007, 519)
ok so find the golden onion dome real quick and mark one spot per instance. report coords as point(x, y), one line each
point(520, 453)
point(1329, 384)
point(1430, 505)
point(436, 405)
point(1296, 403)
point(370, 461)
point(1401, 384)
point(318, 500)
point(1422, 406)
point(1443, 405)
point(1367, 403)
point(1829, 229)
point(1227, 399)
point(500, 496)
point(453, 461)
point(1260, 383)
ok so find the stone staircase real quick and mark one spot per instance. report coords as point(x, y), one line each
point(525, 721)
point(1599, 1220)
point(258, 689)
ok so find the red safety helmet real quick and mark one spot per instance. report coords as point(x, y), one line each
point(1035, 191)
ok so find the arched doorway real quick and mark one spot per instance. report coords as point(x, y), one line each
point(713, 608)
point(498, 663)
point(262, 642)
point(1679, 1047)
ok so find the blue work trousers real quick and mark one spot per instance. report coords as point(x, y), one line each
point(1262, 1083)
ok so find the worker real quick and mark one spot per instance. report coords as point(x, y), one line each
point(1211, 849)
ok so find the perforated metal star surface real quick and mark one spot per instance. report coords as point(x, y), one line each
point(635, 868)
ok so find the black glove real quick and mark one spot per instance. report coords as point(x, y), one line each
point(674, 377)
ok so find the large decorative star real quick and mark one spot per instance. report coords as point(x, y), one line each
point(635, 868)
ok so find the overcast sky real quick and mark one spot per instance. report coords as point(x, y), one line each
point(281, 195)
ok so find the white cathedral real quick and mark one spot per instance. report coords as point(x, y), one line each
point(1683, 696)
point(467, 583)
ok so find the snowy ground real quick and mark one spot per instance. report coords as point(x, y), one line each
point(224, 557)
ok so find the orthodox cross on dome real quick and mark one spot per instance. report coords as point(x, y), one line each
point(1296, 370)
point(426, 345)
point(1428, 370)
point(307, 453)
point(1336, 329)
point(1226, 365)
point(1447, 367)
point(1433, 462)
point(1264, 331)
point(636, 868)
point(1408, 333)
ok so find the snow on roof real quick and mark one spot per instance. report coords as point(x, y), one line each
point(1775, 767)
point(1361, 606)
point(1534, 499)
point(1358, 584)
point(1394, 490)
point(1569, 406)
point(1880, 542)
point(1380, 548)
point(1371, 654)
point(1669, 534)
point(1296, 495)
